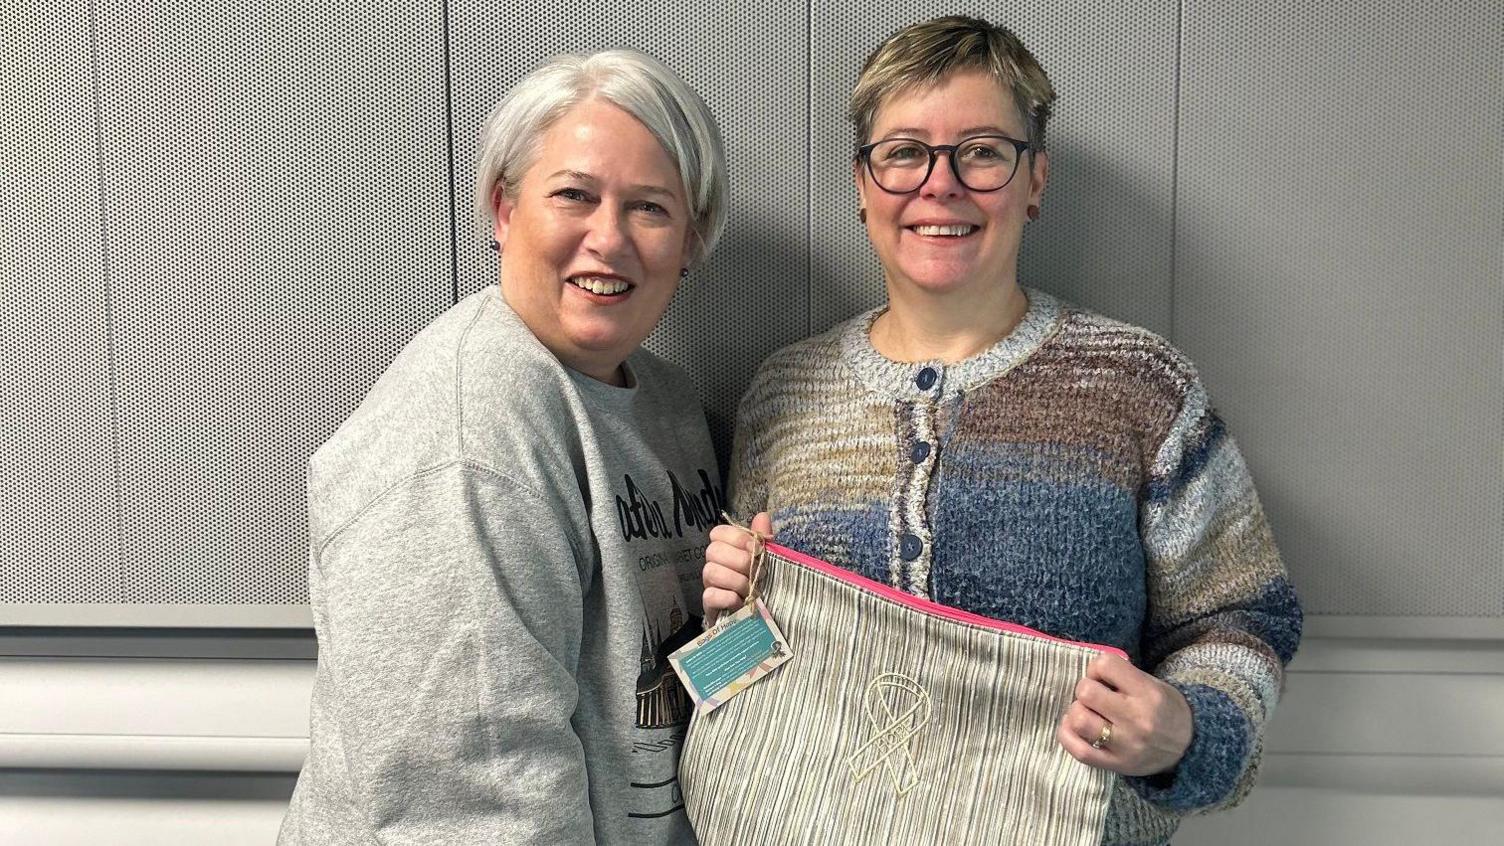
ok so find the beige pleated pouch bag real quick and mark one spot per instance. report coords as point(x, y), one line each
point(898, 720)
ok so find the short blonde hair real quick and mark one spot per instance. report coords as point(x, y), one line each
point(638, 84)
point(924, 54)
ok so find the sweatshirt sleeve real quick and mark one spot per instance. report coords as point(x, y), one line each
point(451, 623)
point(1223, 618)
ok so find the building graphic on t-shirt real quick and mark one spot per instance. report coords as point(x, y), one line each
point(661, 700)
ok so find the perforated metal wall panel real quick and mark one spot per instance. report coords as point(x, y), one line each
point(749, 63)
point(277, 201)
point(57, 496)
point(220, 224)
point(1104, 238)
point(1340, 281)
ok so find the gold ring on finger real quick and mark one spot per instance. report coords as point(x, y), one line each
point(1103, 738)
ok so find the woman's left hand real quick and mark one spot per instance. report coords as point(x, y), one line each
point(1150, 721)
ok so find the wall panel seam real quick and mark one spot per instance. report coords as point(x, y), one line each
point(1175, 160)
point(117, 516)
point(809, 169)
point(454, 230)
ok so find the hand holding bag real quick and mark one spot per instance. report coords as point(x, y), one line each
point(898, 720)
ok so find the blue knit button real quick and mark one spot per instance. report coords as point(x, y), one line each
point(920, 452)
point(926, 379)
point(909, 547)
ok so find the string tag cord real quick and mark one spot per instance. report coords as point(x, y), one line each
point(754, 573)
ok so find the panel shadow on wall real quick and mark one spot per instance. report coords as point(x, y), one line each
point(1340, 281)
point(1104, 238)
point(748, 62)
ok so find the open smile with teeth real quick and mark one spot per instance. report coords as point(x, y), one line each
point(950, 230)
point(603, 285)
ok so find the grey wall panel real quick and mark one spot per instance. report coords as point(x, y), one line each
point(1104, 239)
point(1340, 281)
point(57, 510)
point(222, 240)
point(748, 62)
point(277, 198)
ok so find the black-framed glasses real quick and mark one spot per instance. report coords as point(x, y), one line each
point(981, 163)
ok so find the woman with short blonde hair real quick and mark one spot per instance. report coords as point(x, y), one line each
point(986, 446)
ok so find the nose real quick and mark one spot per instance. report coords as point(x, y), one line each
point(942, 180)
point(606, 232)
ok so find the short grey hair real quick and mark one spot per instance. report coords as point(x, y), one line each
point(638, 84)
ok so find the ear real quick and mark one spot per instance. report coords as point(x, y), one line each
point(1039, 174)
point(859, 176)
point(501, 210)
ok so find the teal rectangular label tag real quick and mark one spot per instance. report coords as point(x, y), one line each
point(740, 649)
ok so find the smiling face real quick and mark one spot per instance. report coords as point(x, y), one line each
point(592, 245)
point(945, 238)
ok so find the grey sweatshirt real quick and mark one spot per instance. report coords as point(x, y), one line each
point(504, 552)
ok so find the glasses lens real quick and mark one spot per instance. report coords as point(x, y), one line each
point(899, 165)
point(986, 163)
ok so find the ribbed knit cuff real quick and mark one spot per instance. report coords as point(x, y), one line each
point(1213, 764)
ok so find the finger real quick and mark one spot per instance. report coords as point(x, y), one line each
point(1086, 723)
point(1115, 672)
point(728, 556)
point(1089, 727)
point(1081, 749)
point(725, 578)
point(718, 601)
point(762, 524)
point(1109, 703)
point(731, 536)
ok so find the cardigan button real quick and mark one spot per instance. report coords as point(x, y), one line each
point(920, 452)
point(909, 547)
point(926, 379)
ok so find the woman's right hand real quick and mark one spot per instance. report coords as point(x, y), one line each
point(728, 561)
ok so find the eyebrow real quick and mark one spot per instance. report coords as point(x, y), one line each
point(916, 132)
point(582, 176)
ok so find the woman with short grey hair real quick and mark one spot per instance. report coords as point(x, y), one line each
point(506, 535)
point(634, 82)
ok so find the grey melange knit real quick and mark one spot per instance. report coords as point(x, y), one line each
point(503, 554)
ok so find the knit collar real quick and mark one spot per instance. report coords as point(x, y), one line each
point(909, 379)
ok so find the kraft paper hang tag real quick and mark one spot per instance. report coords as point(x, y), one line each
point(738, 650)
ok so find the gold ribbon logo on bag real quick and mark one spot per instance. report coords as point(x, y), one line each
point(898, 708)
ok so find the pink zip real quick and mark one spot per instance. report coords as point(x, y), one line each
point(924, 605)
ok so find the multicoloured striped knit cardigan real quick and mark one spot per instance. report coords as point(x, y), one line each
point(1073, 478)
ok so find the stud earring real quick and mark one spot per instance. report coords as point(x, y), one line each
point(1033, 212)
point(495, 245)
point(683, 273)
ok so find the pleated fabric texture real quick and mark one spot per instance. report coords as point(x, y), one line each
point(892, 724)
